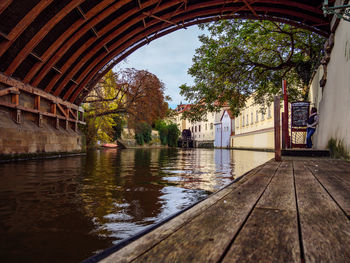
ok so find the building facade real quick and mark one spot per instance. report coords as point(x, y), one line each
point(254, 127)
point(224, 130)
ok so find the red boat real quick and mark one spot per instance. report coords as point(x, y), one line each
point(110, 145)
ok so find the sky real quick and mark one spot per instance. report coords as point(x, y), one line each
point(169, 58)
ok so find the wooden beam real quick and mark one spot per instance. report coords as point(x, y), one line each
point(37, 103)
point(35, 56)
point(4, 4)
point(95, 32)
point(159, 18)
point(32, 90)
point(15, 99)
point(48, 114)
point(155, 9)
point(73, 114)
point(54, 108)
point(97, 47)
point(63, 111)
point(22, 24)
point(57, 70)
point(86, 45)
point(81, 12)
point(34, 41)
point(4, 36)
point(75, 83)
point(250, 7)
point(56, 50)
point(7, 91)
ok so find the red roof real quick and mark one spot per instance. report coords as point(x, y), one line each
point(182, 107)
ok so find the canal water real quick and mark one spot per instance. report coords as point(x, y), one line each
point(68, 209)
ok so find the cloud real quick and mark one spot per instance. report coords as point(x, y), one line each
point(169, 58)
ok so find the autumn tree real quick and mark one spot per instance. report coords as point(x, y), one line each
point(135, 95)
point(243, 58)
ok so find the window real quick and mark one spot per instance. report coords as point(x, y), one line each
point(199, 128)
point(211, 126)
point(257, 116)
point(192, 129)
point(263, 115)
point(251, 118)
point(206, 126)
point(247, 120)
point(243, 121)
point(269, 112)
point(195, 128)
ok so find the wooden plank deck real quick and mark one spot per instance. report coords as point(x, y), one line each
point(292, 211)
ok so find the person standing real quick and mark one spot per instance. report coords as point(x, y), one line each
point(312, 122)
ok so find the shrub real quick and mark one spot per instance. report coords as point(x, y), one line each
point(337, 149)
point(143, 133)
point(168, 134)
point(173, 135)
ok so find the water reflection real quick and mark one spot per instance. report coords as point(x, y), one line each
point(64, 210)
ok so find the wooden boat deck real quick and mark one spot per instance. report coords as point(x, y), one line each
point(292, 211)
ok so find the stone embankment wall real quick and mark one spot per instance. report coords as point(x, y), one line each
point(330, 89)
point(127, 139)
point(27, 139)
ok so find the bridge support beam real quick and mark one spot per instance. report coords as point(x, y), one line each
point(33, 122)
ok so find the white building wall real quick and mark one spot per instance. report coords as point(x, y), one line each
point(334, 102)
point(226, 129)
point(204, 130)
point(217, 142)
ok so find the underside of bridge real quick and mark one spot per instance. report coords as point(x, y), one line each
point(64, 47)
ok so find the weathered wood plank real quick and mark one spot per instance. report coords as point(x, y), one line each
point(271, 232)
point(7, 91)
point(325, 228)
point(340, 169)
point(337, 188)
point(207, 236)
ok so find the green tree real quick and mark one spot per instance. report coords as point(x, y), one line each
point(162, 129)
point(173, 134)
point(241, 58)
point(143, 133)
point(168, 133)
